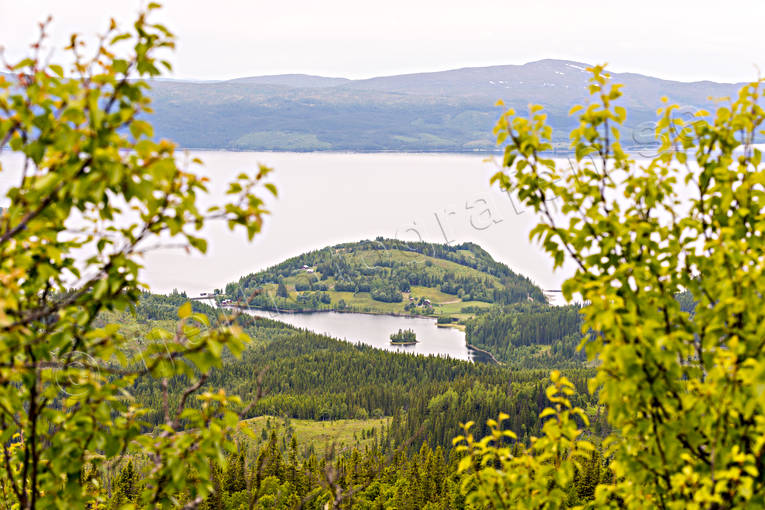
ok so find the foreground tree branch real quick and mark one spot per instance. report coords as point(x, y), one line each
point(87, 147)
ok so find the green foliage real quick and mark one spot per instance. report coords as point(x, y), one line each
point(681, 377)
point(273, 473)
point(126, 490)
point(403, 336)
point(537, 477)
point(281, 291)
point(530, 335)
point(95, 194)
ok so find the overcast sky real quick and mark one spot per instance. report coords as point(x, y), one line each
point(218, 39)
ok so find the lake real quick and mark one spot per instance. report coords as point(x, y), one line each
point(329, 198)
point(375, 330)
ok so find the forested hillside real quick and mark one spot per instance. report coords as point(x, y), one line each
point(378, 425)
point(530, 335)
point(386, 276)
point(309, 376)
point(276, 469)
point(407, 409)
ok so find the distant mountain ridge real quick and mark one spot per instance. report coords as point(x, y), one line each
point(446, 111)
point(293, 80)
point(450, 111)
point(479, 81)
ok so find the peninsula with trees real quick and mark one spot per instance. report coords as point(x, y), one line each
point(387, 276)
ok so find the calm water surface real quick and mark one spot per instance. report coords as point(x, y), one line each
point(329, 198)
point(375, 330)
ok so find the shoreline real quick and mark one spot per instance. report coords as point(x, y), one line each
point(471, 346)
point(455, 326)
point(563, 151)
point(297, 312)
point(480, 152)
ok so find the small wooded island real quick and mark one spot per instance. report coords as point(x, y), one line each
point(403, 337)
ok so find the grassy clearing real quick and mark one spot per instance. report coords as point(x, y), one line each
point(435, 295)
point(444, 304)
point(455, 309)
point(364, 300)
point(323, 434)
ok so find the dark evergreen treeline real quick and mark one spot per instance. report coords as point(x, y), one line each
point(271, 472)
point(530, 335)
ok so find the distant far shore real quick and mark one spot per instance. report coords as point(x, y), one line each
point(455, 152)
point(351, 151)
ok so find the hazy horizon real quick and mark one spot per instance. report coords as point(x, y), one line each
point(679, 41)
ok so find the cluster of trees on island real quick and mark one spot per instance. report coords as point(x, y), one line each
point(403, 336)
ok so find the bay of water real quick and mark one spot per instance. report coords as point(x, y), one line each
point(329, 198)
point(375, 330)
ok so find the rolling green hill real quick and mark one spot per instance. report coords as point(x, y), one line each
point(387, 276)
